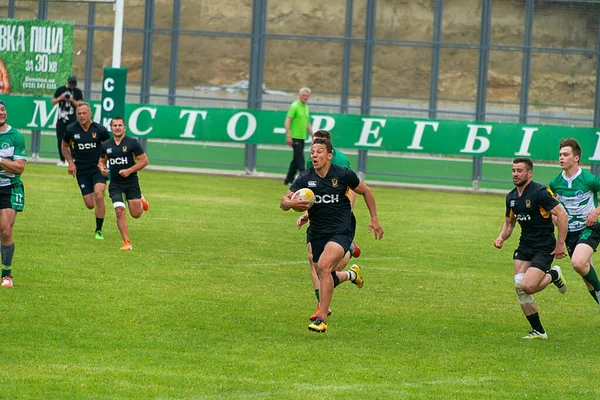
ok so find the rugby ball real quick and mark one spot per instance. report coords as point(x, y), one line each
point(305, 194)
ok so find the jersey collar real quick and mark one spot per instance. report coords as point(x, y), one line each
point(7, 129)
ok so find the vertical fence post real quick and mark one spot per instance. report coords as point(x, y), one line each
point(11, 8)
point(146, 83)
point(345, 94)
point(435, 58)
point(89, 52)
point(257, 69)
point(596, 167)
point(526, 65)
point(175, 33)
point(482, 77)
point(367, 78)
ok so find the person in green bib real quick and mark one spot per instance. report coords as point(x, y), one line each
point(297, 125)
point(577, 190)
point(12, 194)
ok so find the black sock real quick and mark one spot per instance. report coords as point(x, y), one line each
point(317, 295)
point(7, 254)
point(336, 280)
point(534, 321)
point(5, 272)
point(554, 274)
point(593, 293)
point(99, 222)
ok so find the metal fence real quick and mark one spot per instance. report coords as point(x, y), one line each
point(521, 61)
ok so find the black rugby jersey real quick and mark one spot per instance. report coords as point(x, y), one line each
point(86, 145)
point(331, 212)
point(122, 156)
point(532, 209)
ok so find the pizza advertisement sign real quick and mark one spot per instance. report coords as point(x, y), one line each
point(36, 56)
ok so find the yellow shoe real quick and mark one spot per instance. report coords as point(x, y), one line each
point(358, 281)
point(127, 246)
point(318, 326)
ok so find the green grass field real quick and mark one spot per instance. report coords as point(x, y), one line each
point(213, 302)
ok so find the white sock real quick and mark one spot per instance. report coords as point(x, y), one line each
point(351, 275)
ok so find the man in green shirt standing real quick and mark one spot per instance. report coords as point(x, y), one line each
point(12, 195)
point(297, 124)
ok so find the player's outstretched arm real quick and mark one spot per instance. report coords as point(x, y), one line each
point(374, 225)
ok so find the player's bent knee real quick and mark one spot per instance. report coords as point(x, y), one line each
point(135, 214)
point(524, 298)
point(579, 265)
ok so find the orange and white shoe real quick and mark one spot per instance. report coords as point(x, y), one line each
point(7, 281)
point(145, 205)
point(316, 314)
point(127, 246)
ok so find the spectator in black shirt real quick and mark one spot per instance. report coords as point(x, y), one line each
point(68, 98)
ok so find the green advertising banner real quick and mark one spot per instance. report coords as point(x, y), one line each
point(36, 56)
point(113, 93)
point(365, 132)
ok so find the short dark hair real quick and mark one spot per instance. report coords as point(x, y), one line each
point(573, 144)
point(325, 142)
point(525, 161)
point(322, 133)
point(117, 118)
point(72, 80)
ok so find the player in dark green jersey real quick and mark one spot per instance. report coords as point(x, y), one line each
point(330, 232)
point(81, 147)
point(534, 206)
point(126, 157)
point(12, 195)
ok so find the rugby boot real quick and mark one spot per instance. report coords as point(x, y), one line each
point(358, 281)
point(318, 326)
point(535, 335)
point(7, 281)
point(355, 250)
point(316, 314)
point(145, 204)
point(559, 282)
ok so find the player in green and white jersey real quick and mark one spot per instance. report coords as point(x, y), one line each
point(12, 196)
point(578, 190)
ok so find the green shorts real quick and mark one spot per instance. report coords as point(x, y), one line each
point(12, 197)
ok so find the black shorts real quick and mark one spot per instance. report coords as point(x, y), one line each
point(318, 243)
point(353, 226)
point(540, 256)
point(12, 196)
point(587, 235)
point(119, 192)
point(87, 179)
